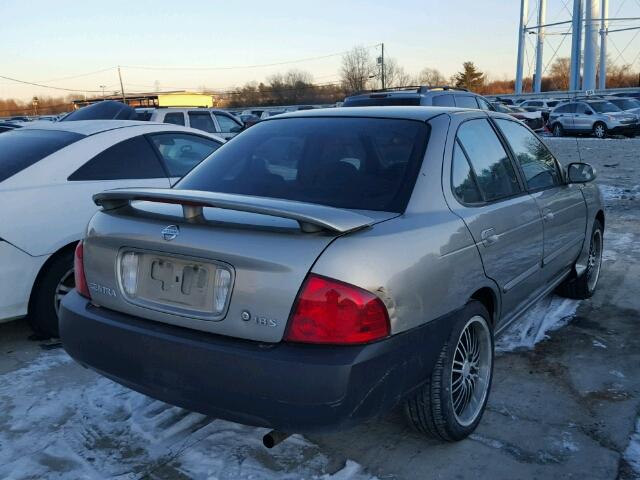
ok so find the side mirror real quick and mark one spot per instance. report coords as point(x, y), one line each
point(580, 173)
point(589, 112)
point(236, 129)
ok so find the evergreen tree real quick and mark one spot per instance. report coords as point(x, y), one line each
point(470, 77)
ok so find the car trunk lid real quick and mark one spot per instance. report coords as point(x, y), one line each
point(186, 240)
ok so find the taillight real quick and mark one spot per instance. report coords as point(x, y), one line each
point(78, 271)
point(333, 312)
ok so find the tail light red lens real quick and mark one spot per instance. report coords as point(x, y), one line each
point(331, 312)
point(78, 271)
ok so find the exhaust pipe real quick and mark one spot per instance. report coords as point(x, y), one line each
point(274, 437)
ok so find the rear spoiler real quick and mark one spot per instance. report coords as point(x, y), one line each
point(310, 217)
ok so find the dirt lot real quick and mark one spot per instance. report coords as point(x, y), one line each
point(565, 401)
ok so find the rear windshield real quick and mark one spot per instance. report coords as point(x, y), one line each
point(381, 101)
point(22, 148)
point(356, 163)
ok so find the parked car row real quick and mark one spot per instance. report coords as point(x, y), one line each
point(272, 253)
point(599, 117)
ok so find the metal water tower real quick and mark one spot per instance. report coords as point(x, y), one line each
point(589, 30)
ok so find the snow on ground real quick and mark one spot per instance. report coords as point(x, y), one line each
point(632, 453)
point(618, 243)
point(550, 313)
point(612, 193)
point(55, 427)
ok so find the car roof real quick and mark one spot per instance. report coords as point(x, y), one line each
point(410, 93)
point(400, 112)
point(189, 109)
point(89, 127)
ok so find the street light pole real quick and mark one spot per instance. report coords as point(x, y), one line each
point(604, 26)
point(524, 15)
point(542, 18)
point(382, 76)
point(124, 99)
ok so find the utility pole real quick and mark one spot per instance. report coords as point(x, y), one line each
point(576, 46)
point(382, 67)
point(590, 44)
point(542, 16)
point(604, 27)
point(103, 87)
point(124, 99)
point(524, 16)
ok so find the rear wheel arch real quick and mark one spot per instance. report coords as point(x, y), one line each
point(69, 247)
point(489, 299)
point(600, 218)
point(42, 314)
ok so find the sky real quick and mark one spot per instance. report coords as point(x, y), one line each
point(66, 45)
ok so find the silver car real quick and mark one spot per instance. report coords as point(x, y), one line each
point(599, 117)
point(328, 265)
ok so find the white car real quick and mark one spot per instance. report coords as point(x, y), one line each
point(211, 120)
point(48, 175)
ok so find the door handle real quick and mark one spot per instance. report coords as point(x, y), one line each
point(548, 216)
point(488, 237)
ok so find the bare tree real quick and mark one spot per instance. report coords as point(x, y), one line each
point(559, 73)
point(357, 67)
point(395, 75)
point(431, 77)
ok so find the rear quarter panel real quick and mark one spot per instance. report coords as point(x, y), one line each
point(422, 264)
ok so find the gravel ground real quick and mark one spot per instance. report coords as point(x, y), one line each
point(565, 399)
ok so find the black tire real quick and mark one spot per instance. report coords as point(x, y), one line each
point(431, 409)
point(557, 130)
point(43, 317)
point(599, 130)
point(583, 286)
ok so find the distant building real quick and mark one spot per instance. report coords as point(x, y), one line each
point(164, 99)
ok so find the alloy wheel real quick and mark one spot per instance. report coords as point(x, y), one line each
point(599, 131)
point(65, 285)
point(471, 371)
point(595, 260)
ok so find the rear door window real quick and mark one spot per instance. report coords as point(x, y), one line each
point(466, 101)
point(130, 159)
point(227, 124)
point(536, 162)
point(582, 108)
point(182, 151)
point(175, 118)
point(443, 101)
point(202, 121)
point(356, 163)
point(493, 168)
point(463, 181)
point(21, 148)
point(484, 105)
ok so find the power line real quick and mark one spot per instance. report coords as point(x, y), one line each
point(239, 67)
point(49, 86)
point(78, 76)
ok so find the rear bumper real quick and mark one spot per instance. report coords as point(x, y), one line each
point(288, 387)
